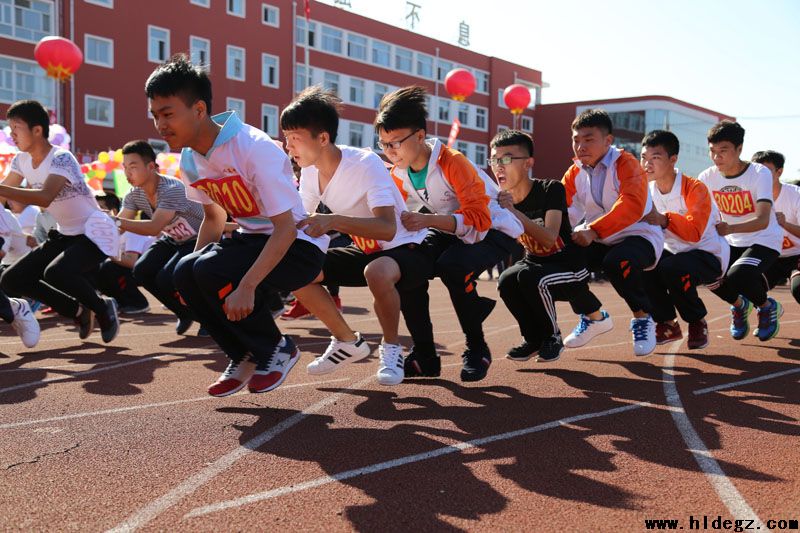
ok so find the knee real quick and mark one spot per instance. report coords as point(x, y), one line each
point(164, 280)
point(143, 272)
point(382, 273)
point(183, 275)
point(10, 280)
point(508, 283)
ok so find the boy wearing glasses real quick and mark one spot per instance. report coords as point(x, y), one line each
point(553, 268)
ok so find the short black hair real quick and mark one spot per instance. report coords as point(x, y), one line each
point(315, 110)
point(179, 77)
point(32, 113)
point(403, 108)
point(769, 156)
point(663, 138)
point(513, 138)
point(111, 201)
point(142, 148)
point(726, 130)
point(594, 118)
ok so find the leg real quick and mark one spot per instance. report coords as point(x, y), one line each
point(655, 283)
point(780, 271)
point(152, 273)
point(624, 264)
point(68, 273)
point(682, 273)
point(515, 287)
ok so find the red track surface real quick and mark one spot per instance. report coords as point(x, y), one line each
point(94, 437)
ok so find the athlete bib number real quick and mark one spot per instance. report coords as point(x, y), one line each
point(736, 203)
point(368, 246)
point(787, 243)
point(180, 230)
point(231, 193)
point(534, 248)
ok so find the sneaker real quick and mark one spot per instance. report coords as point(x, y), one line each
point(422, 364)
point(276, 313)
point(337, 354)
point(84, 322)
point(739, 324)
point(668, 332)
point(338, 302)
point(523, 352)
point(475, 363)
point(183, 324)
point(35, 305)
point(768, 320)
point(643, 331)
point(202, 332)
point(109, 324)
point(272, 370)
point(390, 371)
point(24, 323)
point(551, 349)
point(698, 335)
point(234, 378)
point(588, 329)
point(134, 309)
point(297, 310)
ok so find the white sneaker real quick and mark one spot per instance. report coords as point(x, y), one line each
point(338, 354)
point(234, 378)
point(588, 329)
point(390, 371)
point(25, 323)
point(644, 335)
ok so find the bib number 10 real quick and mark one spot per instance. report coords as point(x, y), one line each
point(231, 193)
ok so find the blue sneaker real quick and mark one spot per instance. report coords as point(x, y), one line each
point(739, 324)
point(768, 320)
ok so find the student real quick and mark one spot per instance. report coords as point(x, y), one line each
point(553, 268)
point(607, 187)
point(468, 232)
point(365, 204)
point(55, 272)
point(743, 193)
point(787, 211)
point(16, 311)
point(236, 169)
point(169, 215)
point(694, 253)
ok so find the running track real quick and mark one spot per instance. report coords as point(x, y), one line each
point(123, 437)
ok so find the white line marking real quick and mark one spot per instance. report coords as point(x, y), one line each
point(746, 381)
point(29, 368)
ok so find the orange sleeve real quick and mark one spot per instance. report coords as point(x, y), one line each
point(399, 183)
point(569, 183)
point(629, 206)
point(691, 226)
point(469, 188)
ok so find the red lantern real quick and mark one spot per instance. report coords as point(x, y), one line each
point(460, 84)
point(60, 57)
point(517, 97)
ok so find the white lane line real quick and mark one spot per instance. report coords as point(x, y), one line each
point(129, 408)
point(408, 459)
point(722, 485)
point(734, 384)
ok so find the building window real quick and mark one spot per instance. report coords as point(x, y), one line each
point(482, 82)
point(26, 20)
point(99, 111)
point(444, 68)
point(480, 118)
point(444, 110)
point(501, 127)
point(331, 82)
point(500, 101)
point(331, 40)
point(356, 47)
point(25, 80)
point(269, 119)
point(235, 7)
point(526, 124)
point(300, 32)
point(235, 104)
point(480, 155)
point(98, 51)
point(357, 91)
point(463, 147)
point(356, 137)
point(269, 70)
point(270, 15)
point(463, 114)
point(104, 3)
point(424, 66)
point(200, 52)
point(381, 53)
point(235, 68)
point(403, 59)
point(302, 81)
point(201, 3)
point(378, 91)
point(157, 44)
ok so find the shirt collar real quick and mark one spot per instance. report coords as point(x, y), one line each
point(231, 124)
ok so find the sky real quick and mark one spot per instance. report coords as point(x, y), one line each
point(740, 58)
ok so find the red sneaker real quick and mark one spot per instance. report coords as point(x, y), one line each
point(668, 332)
point(338, 302)
point(274, 369)
point(698, 335)
point(297, 310)
point(233, 379)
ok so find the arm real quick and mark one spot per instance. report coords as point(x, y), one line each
point(381, 227)
point(629, 206)
point(41, 197)
point(759, 222)
point(212, 226)
point(691, 226)
point(793, 229)
point(154, 226)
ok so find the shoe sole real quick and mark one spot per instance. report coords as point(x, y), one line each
point(700, 347)
point(389, 384)
point(550, 360)
point(292, 361)
point(519, 359)
point(777, 326)
point(295, 317)
point(234, 391)
point(115, 314)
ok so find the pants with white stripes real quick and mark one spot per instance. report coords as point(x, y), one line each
point(673, 284)
point(745, 275)
point(624, 264)
point(530, 290)
point(785, 268)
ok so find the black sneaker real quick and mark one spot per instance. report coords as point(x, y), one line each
point(551, 349)
point(134, 309)
point(85, 323)
point(183, 325)
point(523, 352)
point(109, 324)
point(422, 365)
point(476, 362)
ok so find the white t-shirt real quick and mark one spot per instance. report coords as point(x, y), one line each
point(736, 199)
point(360, 184)
point(15, 245)
point(788, 203)
point(75, 202)
point(133, 242)
point(248, 174)
point(27, 218)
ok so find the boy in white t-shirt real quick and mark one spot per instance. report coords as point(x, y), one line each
point(55, 272)
point(15, 311)
point(787, 210)
point(366, 204)
point(743, 194)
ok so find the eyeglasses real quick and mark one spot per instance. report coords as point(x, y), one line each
point(395, 145)
point(505, 160)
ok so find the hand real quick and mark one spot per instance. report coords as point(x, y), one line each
point(584, 237)
point(781, 218)
point(317, 224)
point(414, 221)
point(239, 304)
point(655, 218)
point(505, 200)
point(31, 242)
point(723, 229)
